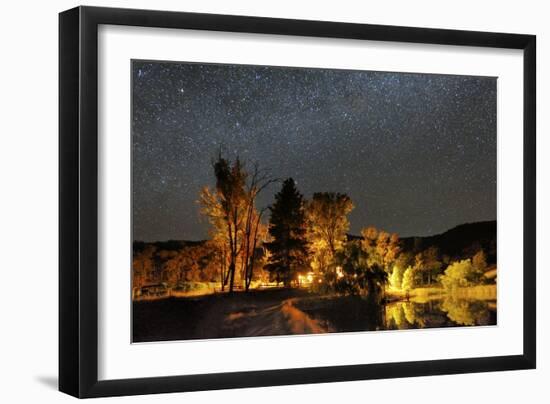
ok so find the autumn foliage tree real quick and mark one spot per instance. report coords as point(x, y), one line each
point(357, 274)
point(253, 230)
point(479, 262)
point(428, 265)
point(382, 250)
point(327, 223)
point(459, 274)
point(409, 279)
point(400, 265)
point(143, 266)
point(382, 247)
point(235, 221)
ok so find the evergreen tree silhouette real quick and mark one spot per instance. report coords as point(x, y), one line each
point(287, 227)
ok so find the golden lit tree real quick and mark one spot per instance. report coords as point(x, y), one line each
point(143, 266)
point(400, 264)
point(479, 262)
point(327, 225)
point(459, 274)
point(428, 265)
point(408, 281)
point(396, 277)
point(235, 222)
point(382, 249)
point(253, 230)
point(186, 264)
point(225, 208)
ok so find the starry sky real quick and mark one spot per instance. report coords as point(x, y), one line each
point(415, 152)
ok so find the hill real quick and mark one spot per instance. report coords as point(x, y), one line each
point(460, 241)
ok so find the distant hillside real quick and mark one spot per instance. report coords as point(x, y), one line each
point(460, 241)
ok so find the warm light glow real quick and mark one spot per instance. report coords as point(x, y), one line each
point(306, 280)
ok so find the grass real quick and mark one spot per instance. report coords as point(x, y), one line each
point(191, 289)
point(479, 292)
point(425, 293)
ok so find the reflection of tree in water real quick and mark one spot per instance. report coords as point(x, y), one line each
point(403, 315)
point(414, 313)
point(438, 313)
point(466, 312)
point(355, 313)
point(395, 316)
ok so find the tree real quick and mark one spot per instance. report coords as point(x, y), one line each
point(408, 282)
point(419, 267)
point(211, 208)
point(143, 266)
point(396, 277)
point(427, 265)
point(387, 247)
point(479, 262)
point(327, 223)
point(459, 274)
point(351, 270)
point(225, 208)
point(355, 274)
point(253, 228)
point(287, 228)
point(431, 264)
point(231, 210)
point(401, 263)
point(187, 264)
point(382, 249)
point(212, 262)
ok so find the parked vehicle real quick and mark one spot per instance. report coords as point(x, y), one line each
point(157, 289)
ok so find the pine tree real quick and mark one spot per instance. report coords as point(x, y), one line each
point(287, 229)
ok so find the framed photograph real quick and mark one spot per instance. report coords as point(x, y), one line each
point(251, 201)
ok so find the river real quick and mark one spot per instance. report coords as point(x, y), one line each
point(346, 314)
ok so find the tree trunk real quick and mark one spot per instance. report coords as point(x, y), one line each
point(223, 262)
point(232, 275)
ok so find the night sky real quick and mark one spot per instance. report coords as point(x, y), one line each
point(415, 152)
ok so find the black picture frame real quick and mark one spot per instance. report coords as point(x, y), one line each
point(78, 201)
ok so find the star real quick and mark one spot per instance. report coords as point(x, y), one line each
point(415, 152)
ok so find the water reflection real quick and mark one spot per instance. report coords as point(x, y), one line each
point(345, 314)
point(446, 312)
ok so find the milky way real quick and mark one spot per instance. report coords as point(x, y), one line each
point(415, 152)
